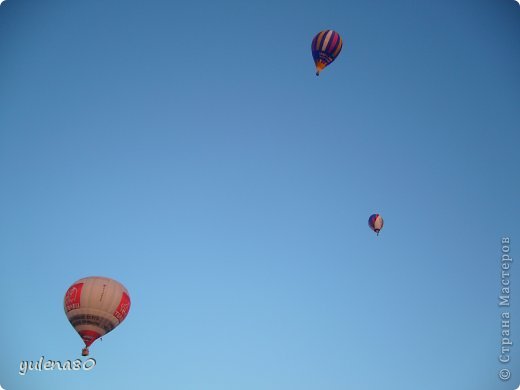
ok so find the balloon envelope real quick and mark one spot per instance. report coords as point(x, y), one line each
point(375, 222)
point(95, 306)
point(325, 47)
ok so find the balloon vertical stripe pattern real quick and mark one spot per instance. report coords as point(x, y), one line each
point(325, 47)
point(95, 306)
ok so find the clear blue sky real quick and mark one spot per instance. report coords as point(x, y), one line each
point(188, 150)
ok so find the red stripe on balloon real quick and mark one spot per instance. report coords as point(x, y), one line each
point(73, 297)
point(332, 43)
point(123, 308)
point(89, 336)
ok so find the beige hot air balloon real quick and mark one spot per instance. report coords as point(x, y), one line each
point(94, 306)
point(375, 222)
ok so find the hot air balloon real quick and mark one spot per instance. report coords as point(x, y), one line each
point(375, 222)
point(95, 306)
point(326, 46)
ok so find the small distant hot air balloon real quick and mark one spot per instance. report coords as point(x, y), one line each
point(375, 222)
point(95, 306)
point(326, 46)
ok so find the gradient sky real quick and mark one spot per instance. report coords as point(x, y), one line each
point(188, 150)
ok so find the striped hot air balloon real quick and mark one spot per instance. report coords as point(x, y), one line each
point(95, 306)
point(376, 223)
point(326, 46)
